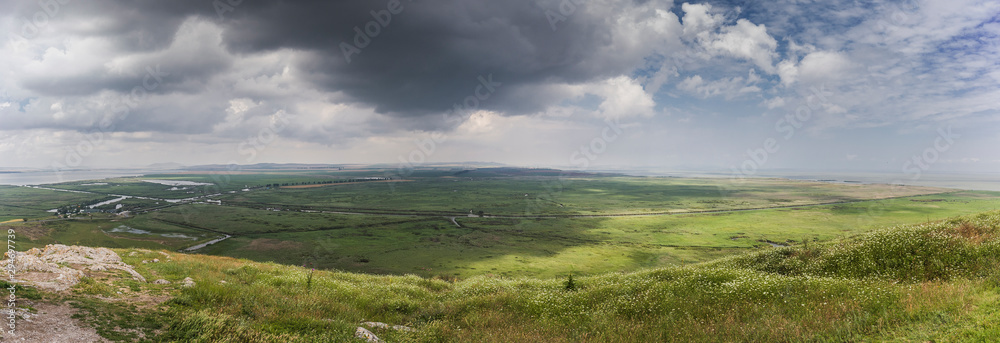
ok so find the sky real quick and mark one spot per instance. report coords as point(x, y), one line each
point(742, 86)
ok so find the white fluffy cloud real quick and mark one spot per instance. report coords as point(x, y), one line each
point(817, 67)
point(745, 41)
point(729, 89)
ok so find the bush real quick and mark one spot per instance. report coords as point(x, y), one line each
point(570, 285)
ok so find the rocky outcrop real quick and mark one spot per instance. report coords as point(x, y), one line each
point(58, 267)
point(366, 335)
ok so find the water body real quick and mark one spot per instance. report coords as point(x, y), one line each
point(968, 181)
point(41, 177)
point(178, 183)
point(61, 190)
point(112, 201)
point(202, 245)
point(128, 229)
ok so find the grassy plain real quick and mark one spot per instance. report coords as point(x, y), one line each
point(547, 247)
point(934, 281)
point(240, 221)
point(532, 196)
point(24, 202)
point(866, 262)
point(101, 232)
point(133, 186)
point(288, 225)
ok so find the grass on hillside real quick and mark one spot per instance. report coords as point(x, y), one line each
point(936, 280)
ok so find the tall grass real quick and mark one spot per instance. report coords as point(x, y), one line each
point(965, 246)
point(838, 291)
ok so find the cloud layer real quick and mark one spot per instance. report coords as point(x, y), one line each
point(524, 82)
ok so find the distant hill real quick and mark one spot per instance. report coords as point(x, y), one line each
point(516, 171)
point(266, 166)
point(167, 165)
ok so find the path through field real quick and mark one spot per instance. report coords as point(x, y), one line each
point(52, 323)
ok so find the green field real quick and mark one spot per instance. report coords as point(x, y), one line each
point(24, 202)
point(241, 221)
point(501, 221)
point(134, 186)
point(485, 255)
point(935, 282)
point(101, 231)
point(532, 196)
point(554, 246)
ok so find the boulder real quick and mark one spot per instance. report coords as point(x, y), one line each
point(58, 267)
point(366, 335)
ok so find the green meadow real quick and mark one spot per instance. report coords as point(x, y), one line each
point(553, 195)
point(510, 222)
point(25, 202)
point(546, 247)
point(487, 256)
point(935, 281)
point(107, 231)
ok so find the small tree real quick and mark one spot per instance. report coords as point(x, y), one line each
point(570, 284)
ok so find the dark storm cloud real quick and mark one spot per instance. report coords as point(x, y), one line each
point(430, 53)
point(425, 57)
